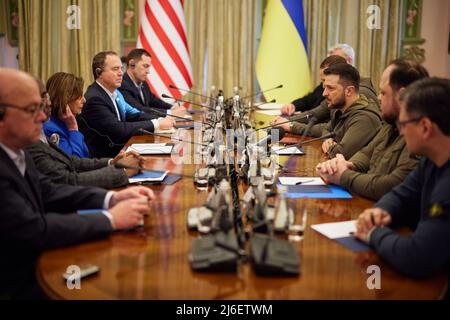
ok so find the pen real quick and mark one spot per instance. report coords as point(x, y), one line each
point(305, 181)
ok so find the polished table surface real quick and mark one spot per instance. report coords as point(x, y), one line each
point(152, 262)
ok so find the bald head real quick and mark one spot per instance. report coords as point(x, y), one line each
point(21, 116)
point(14, 83)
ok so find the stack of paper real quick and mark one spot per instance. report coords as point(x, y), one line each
point(304, 181)
point(151, 148)
point(281, 150)
point(334, 230)
point(167, 131)
point(342, 232)
point(270, 106)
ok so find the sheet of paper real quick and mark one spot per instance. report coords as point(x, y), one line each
point(305, 181)
point(270, 106)
point(335, 230)
point(172, 130)
point(151, 148)
point(187, 117)
point(270, 112)
point(286, 151)
point(149, 176)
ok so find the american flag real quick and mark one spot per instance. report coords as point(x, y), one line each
point(162, 34)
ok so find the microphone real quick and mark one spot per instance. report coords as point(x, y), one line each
point(263, 103)
point(263, 91)
point(192, 92)
point(292, 119)
point(268, 139)
point(311, 122)
point(178, 117)
point(143, 131)
point(298, 145)
point(112, 144)
point(195, 104)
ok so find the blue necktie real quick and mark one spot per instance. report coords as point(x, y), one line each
point(121, 109)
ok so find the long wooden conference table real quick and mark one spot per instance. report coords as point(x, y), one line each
point(152, 262)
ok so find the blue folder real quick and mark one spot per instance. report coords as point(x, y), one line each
point(334, 192)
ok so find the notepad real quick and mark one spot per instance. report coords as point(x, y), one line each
point(275, 112)
point(341, 232)
point(270, 106)
point(186, 117)
point(304, 181)
point(280, 150)
point(166, 131)
point(334, 230)
point(151, 148)
point(149, 176)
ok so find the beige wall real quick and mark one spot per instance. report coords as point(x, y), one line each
point(435, 31)
point(8, 54)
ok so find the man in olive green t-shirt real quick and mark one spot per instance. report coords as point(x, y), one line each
point(385, 161)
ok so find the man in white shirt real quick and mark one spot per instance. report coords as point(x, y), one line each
point(36, 214)
point(107, 121)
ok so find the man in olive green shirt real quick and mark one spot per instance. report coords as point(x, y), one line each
point(354, 119)
point(385, 161)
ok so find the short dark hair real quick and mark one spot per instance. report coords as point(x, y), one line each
point(430, 97)
point(331, 61)
point(405, 72)
point(348, 75)
point(136, 55)
point(98, 62)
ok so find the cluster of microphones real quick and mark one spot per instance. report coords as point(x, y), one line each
point(222, 246)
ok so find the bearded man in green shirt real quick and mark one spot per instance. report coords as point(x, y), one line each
point(385, 161)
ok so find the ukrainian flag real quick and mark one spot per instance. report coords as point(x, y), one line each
point(282, 55)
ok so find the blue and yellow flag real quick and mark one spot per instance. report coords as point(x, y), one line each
point(282, 55)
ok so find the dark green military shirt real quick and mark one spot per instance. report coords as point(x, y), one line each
point(383, 164)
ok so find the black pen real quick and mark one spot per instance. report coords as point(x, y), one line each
point(305, 181)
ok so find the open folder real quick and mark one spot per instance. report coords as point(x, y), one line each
point(151, 148)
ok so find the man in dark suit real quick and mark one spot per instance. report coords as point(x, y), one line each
point(36, 214)
point(106, 121)
point(52, 161)
point(136, 90)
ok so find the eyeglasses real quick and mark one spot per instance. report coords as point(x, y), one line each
point(33, 109)
point(402, 124)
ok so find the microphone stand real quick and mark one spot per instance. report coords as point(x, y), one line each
point(161, 135)
point(191, 92)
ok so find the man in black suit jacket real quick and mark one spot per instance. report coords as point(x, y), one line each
point(52, 161)
point(36, 214)
point(136, 90)
point(105, 121)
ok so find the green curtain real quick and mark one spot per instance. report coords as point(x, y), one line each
point(224, 31)
point(47, 45)
point(344, 21)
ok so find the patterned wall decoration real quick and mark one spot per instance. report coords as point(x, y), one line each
point(411, 37)
point(10, 21)
point(130, 22)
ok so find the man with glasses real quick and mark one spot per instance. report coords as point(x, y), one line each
point(385, 161)
point(36, 214)
point(422, 201)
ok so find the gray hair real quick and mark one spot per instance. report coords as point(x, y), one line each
point(348, 51)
